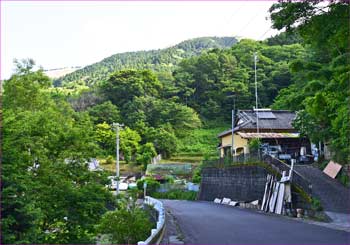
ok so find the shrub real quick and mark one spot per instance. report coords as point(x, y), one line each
point(254, 145)
point(196, 178)
point(343, 178)
point(316, 204)
point(169, 179)
point(125, 225)
point(152, 185)
point(109, 160)
point(146, 153)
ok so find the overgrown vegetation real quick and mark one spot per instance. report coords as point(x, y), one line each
point(196, 177)
point(48, 194)
point(320, 88)
point(201, 142)
point(152, 185)
point(316, 204)
point(176, 194)
point(128, 224)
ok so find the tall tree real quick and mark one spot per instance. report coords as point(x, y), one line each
point(125, 85)
point(321, 88)
point(48, 194)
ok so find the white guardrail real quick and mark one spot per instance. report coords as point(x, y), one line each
point(156, 234)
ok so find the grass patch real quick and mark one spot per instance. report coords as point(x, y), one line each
point(176, 194)
point(202, 141)
point(170, 169)
point(123, 167)
point(183, 159)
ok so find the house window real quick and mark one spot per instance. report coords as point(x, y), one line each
point(239, 150)
point(227, 151)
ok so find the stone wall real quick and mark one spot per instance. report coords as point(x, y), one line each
point(240, 183)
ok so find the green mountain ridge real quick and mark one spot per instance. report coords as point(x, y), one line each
point(161, 60)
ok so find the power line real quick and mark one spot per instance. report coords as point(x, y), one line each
point(237, 11)
point(248, 23)
point(263, 35)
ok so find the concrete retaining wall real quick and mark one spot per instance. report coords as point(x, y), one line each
point(240, 183)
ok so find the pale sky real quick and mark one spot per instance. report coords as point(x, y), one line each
point(64, 34)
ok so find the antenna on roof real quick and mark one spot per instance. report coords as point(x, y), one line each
point(256, 93)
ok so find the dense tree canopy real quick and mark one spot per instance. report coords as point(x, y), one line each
point(207, 82)
point(124, 86)
point(48, 195)
point(105, 112)
point(320, 87)
point(163, 61)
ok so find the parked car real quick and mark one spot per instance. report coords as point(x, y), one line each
point(284, 156)
point(272, 150)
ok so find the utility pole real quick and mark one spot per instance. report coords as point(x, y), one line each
point(233, 125)
point(256, 93)
point(117, 126)
point(256, 101)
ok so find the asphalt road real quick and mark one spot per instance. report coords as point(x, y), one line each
point(209, 223)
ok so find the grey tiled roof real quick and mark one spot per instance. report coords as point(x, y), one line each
point(282, 121)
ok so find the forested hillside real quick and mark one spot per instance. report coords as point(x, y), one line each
point(212, 82)
point(304, 69)
point(200, 89)
point(161, 60)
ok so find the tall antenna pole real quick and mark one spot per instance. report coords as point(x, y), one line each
point(256, 93)
point(233, 125)
point(117, 126)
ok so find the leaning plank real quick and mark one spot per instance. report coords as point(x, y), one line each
point(287, 193)
point(269, 194)
point(274, 197)
point(280, 199)
point(265, 192)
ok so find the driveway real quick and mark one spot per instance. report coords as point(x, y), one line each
point(334, 196)
point(208, 223)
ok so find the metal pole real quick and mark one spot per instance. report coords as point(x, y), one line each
point(256, 100)
point(116, 126)
point(256, 93)
point(144, 189)
point(232, 125)
point(117, 159)
point(291, 169)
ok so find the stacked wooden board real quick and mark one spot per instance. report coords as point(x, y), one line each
point(276, 195)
